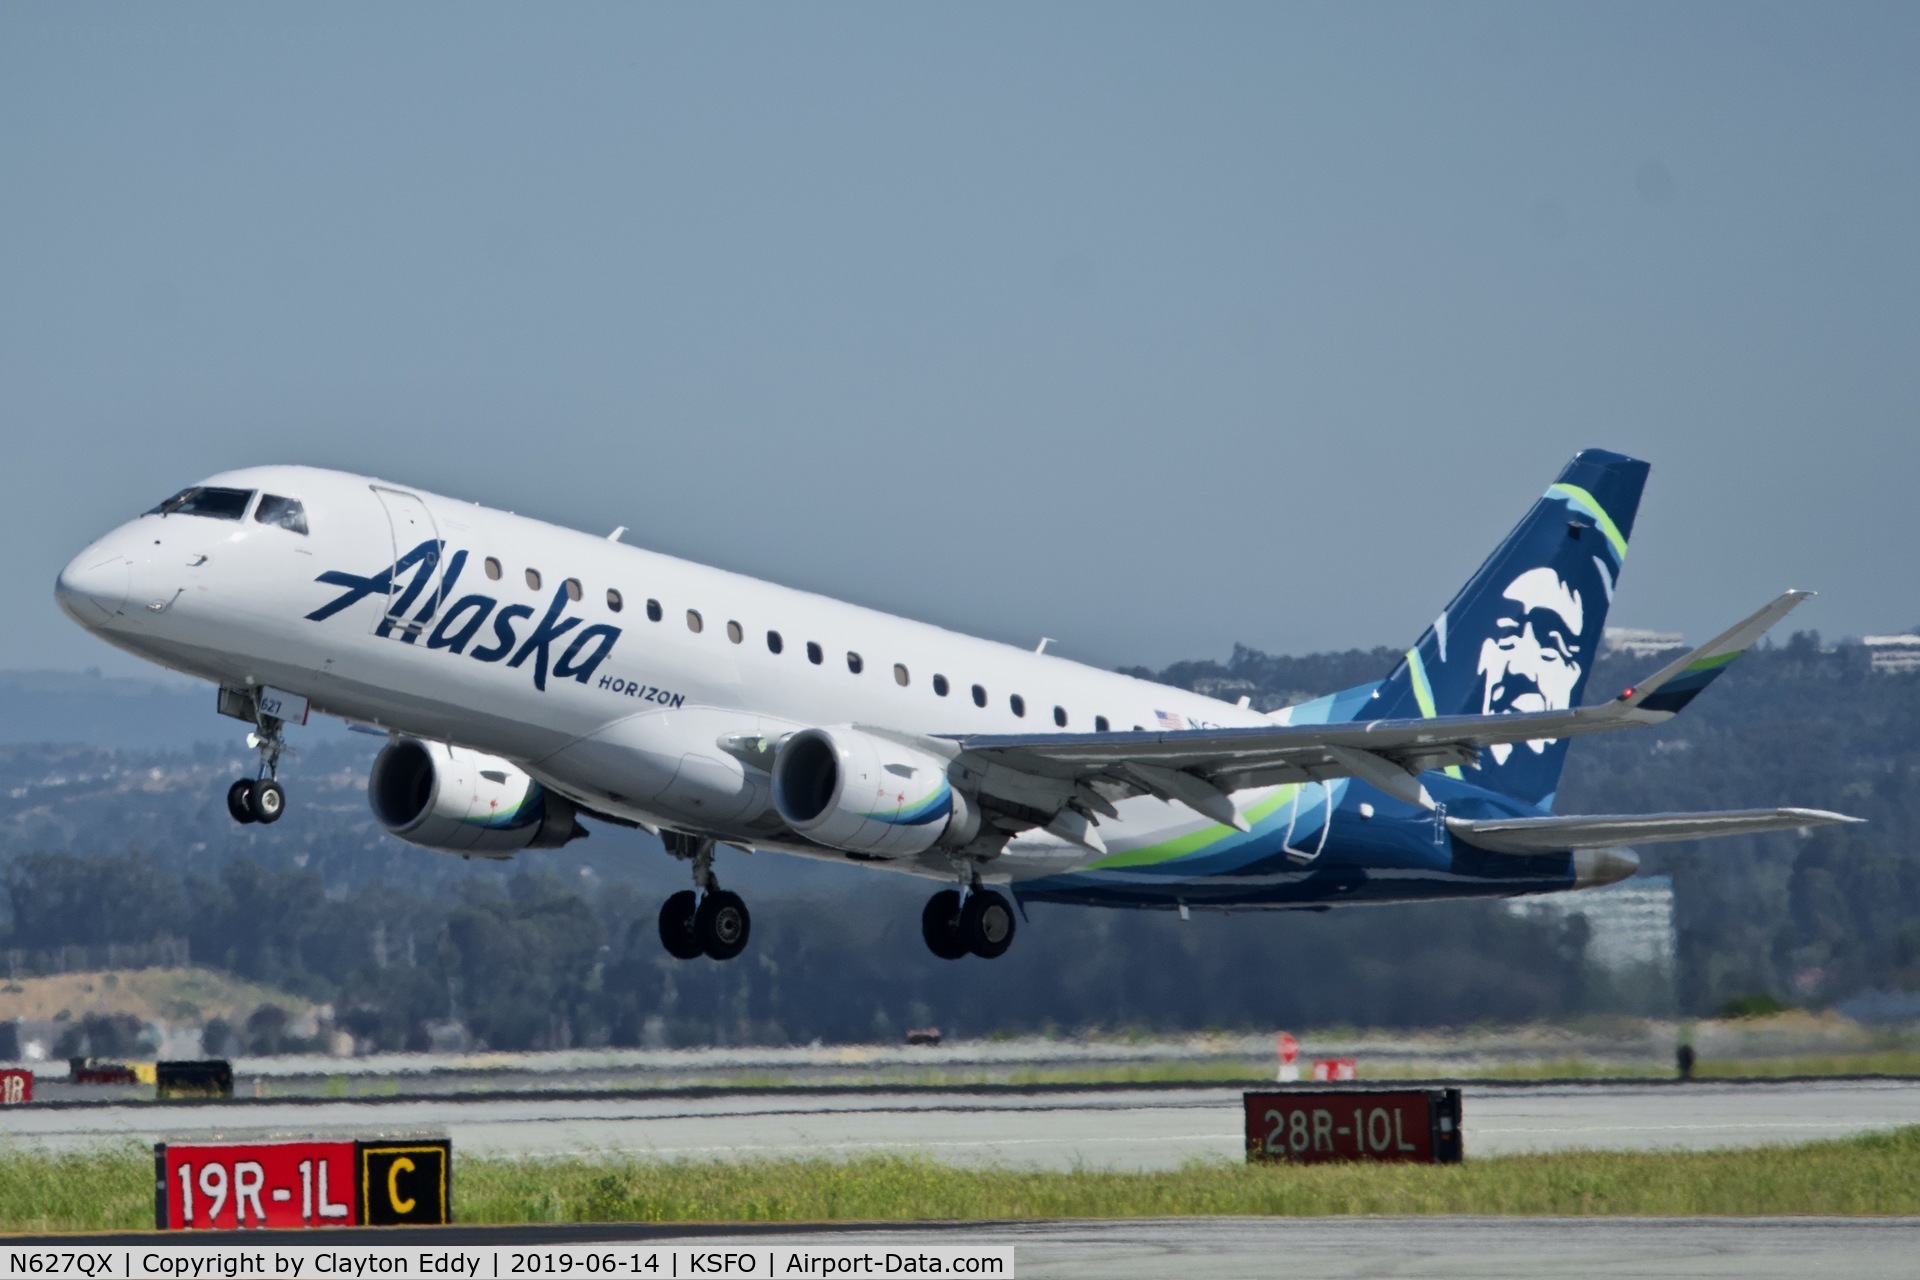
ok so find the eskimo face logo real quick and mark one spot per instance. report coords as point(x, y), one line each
point(456, 625)
point(1533, 659)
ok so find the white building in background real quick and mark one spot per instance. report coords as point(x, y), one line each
point(1631, 922)
point(1893, 655)
point(1637, 642)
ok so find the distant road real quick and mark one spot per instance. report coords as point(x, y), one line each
point(1120, 1127)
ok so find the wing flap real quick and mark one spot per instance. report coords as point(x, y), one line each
point(1600, 831)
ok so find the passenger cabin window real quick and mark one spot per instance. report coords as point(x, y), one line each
point(1099, 724)
point(1060, 716)
point(694, 624)
point(282, 513)
point(573, 590)
point(940, 685)
point(734, 633)
point(215, 504)
point(854, 664)
point(979, 696)
point(815, 654)
point(900, 675)
point(774, 643)
point(653, 611)
point(614, 602)
point(493, 568)
point(1018, 703)
point(533, 579)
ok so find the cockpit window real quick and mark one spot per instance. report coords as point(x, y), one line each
point(217, 504)
point(287, 513)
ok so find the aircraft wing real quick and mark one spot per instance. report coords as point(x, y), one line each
point(1200, 767)
point(1600, 831)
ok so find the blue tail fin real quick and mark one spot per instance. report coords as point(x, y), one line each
point(1523, 633)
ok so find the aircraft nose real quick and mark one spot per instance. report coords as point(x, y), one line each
point(1595, 867)
point(93, 588)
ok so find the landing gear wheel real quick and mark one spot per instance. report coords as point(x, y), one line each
point(986, 923)
point(677, 933)
point(722, 924)
point(268, 800)
point(240, 802)
point(940, 925)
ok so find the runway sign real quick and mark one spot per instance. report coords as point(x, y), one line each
point(405, 1183)
point(227, 1186)
point(212, 1078)
point(1315, 1127)
point(15, 1086)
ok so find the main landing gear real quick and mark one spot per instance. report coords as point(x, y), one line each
point(981, 924)
point(261, 799)
point(710, 922)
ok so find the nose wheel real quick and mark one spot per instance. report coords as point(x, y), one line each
point(256, 800)
point(261, 799)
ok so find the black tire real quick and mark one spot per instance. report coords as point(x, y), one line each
point(240, 801)
point(723, 925)
point(676, 925)
point(986, 923)
point(269, 800)
point(940, 925)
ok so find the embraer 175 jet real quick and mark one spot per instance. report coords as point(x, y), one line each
point(529, 676)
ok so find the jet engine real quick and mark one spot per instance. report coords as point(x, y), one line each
point(459, 801)
point(867, 794)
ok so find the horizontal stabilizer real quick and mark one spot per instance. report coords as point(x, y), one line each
point(1600, 831)
point(1680, 681)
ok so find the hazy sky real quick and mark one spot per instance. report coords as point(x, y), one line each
point(1149, 328)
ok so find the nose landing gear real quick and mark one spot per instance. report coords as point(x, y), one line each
point(261, 799)
point(711, 922)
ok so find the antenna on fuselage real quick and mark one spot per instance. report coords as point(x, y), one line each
point(1042, 646)
point(615, 535)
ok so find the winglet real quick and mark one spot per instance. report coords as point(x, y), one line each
point(1680, 681)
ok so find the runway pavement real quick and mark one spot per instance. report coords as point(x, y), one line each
point(1121, 1127)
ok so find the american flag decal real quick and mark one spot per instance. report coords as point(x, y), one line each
point(1168, 720)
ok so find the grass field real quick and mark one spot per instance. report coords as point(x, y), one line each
point(1876, 1174)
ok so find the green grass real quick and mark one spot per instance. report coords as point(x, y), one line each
point(106, 1190)
point(1876, 1174)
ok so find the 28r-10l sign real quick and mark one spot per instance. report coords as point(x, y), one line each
point(1311, 1127)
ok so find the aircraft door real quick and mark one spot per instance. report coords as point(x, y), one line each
point(417, 548)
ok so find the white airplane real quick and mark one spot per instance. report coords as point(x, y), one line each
point(530, 676)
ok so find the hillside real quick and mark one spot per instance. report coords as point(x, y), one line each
point(132, 846)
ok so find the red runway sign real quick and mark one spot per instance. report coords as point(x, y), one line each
point(1313, 1127)
point(255, 1184)
point(15, 1086)
point(222, 1187)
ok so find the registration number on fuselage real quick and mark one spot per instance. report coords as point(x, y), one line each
point(644, 692)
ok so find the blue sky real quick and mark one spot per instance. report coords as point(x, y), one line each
point(1151, 328)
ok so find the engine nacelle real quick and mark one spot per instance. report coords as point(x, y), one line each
point(867, 794)
point(459, 801)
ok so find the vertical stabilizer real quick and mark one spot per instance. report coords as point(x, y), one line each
point(1523, 633)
